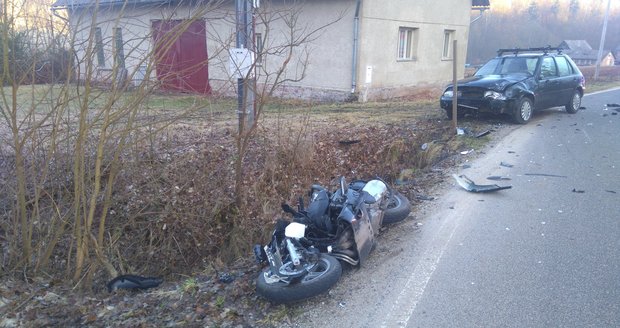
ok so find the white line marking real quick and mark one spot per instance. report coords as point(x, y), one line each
point(412, 293)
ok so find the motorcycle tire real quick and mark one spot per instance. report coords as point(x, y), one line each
point(327, 273)
point(398, 208)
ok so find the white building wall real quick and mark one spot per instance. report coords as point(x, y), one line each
point(381, 23)
point(327, 51)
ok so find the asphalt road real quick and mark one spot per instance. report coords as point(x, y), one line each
point(545, 253)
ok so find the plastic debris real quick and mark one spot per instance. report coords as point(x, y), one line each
point(504, 164)
point(423, 197)
point(130, 281)
point(482, 134)
point(471, 186)
point(498, 178)
point(424, 146)
point(465, 152)
point(225, 278)
point(578, 191)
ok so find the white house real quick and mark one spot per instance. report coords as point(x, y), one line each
point(368, 49)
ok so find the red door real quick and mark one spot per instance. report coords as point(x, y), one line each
point(181, 55)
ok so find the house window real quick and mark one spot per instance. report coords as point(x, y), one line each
point(259, 49)
point(99, 47)
point(119, 56)
point(448, 37)
point(407, 38)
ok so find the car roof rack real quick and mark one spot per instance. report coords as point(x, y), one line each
point(516, 51)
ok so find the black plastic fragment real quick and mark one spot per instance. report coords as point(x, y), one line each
point(225, 278)
point(130, 281)
point(482, 134)
point(498, 178)
point(578, 191)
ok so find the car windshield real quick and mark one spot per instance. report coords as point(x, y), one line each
point(509, 65)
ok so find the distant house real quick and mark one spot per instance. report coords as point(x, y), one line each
point(617, 55)
point(376, 50)
point(583, 55)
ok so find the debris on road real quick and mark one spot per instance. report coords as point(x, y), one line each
point(424, 197)
point(498, 178)
point(578, 191)
point(471, 186)
point(465, 152)
point(546, 175)
point(504, 164)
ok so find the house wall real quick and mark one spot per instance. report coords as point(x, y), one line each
point(328, 75)
point(381, 22)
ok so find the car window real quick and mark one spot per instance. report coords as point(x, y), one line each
point(488, 68)
point(548, 68)
point(564, 68)
point(513, 65)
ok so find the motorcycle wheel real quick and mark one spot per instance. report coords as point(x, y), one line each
point(398, 208)
point(321, 278)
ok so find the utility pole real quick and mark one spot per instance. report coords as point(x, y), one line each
point(600, 47)
point(246, 83)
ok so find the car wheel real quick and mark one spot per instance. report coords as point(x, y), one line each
point(575, 102)
point(524, 110)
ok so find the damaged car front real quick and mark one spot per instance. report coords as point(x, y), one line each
point(497, 87)
point(519, 83)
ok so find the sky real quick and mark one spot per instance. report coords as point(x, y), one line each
point(501, 5)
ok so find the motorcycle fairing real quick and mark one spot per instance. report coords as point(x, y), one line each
point(362, 230)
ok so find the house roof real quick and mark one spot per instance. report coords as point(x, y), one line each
point(586, 55)
point(84, 3)
point(576, 45)
point(480, 4)
point(475, 4)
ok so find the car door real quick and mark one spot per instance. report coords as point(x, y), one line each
point(568, 81)
point(549, 86)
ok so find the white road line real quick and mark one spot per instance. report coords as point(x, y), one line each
point(412, 292)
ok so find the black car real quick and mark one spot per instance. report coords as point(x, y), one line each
point(519, 83)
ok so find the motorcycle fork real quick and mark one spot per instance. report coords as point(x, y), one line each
point(275, 260)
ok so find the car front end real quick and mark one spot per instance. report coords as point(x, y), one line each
point(473, 100)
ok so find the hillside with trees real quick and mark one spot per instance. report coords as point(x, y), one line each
point(539, 23)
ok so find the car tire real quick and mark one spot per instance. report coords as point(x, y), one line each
point(575, 102)
point(524, 110)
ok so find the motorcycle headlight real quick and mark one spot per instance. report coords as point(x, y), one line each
point(494, 95)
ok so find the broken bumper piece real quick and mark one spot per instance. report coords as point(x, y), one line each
point(471, 186)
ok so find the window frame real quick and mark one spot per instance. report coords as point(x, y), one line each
point(99, 47)
point(119, 55)
point(448, 38)
point(260, 43)
point(407, 43)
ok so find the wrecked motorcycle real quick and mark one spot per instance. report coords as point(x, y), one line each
point(304, 254)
